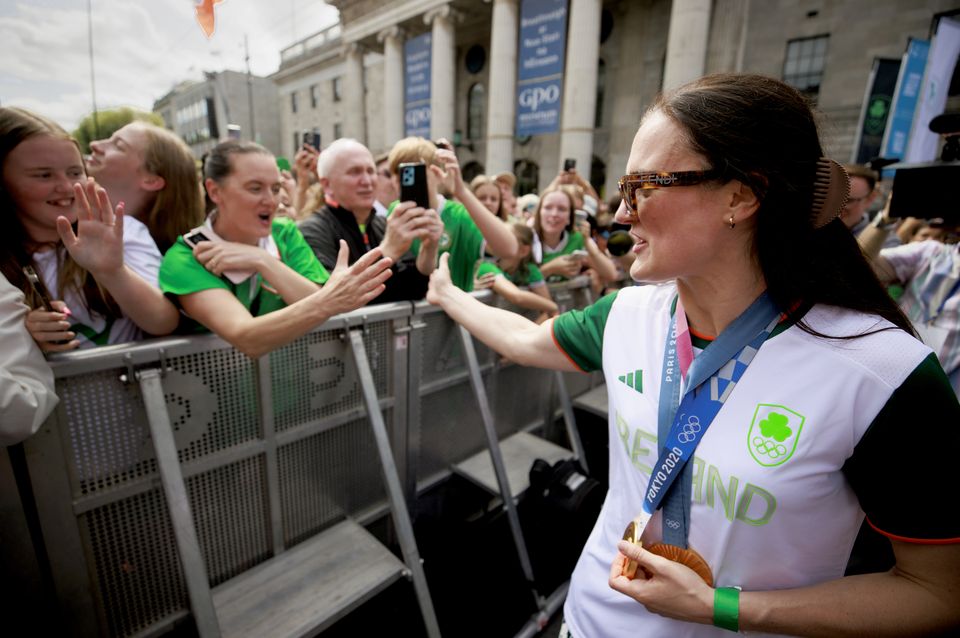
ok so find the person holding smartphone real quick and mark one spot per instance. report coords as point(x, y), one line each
point(565, 248)
point(247, 274)
point(468, 226)
point(349, 179)
point(93, 286)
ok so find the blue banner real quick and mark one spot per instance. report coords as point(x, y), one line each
point(416, 80)
point(543, 40)
point(905, 99)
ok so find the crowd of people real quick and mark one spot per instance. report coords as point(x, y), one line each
point(139, 239)
point(748, 257)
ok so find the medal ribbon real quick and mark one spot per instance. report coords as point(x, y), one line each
point(708, 381)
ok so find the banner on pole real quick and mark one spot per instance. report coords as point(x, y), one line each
point(543, 40)
point(876, 109)
point(944, 51)
point(416, 80)
point(905, 99)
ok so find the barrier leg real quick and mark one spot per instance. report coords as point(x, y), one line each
point(178, 505)
point(398, 506)
point(493, 443)
point(570, 421)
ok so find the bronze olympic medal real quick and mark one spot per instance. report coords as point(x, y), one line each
point(687, 557)
point(630, 535)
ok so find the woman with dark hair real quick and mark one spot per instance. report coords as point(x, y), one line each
point(93, 271)
point(768, 354)
point(248, 275)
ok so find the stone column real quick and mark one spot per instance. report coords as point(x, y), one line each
point(354, 123)
point(580, 84)
point(392, 39)
point(686, 42)
point(502, 107)
point(443, 77)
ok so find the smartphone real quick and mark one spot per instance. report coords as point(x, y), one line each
point(38, 289)
point(313, 139)
point(569, 164)
point(194, 237)
point(580, 215)
point(582, 254)
point(413, 184)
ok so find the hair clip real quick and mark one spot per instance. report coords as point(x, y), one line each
point(831, 189)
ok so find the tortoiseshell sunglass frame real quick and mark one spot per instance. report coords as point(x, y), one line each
point(630, 184)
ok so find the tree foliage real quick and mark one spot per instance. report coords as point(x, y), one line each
point(108, 121)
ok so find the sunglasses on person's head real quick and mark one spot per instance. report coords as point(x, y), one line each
point(636, 183)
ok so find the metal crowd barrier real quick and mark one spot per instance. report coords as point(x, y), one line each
point(273, 452)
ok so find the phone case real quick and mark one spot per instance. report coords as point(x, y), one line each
point(413, 184)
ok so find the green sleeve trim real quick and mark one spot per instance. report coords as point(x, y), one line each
point(579, 333)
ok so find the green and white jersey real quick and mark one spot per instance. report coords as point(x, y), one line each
point(182, 274)
point(817, 432)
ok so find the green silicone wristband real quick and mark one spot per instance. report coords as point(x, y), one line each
point(726, 608)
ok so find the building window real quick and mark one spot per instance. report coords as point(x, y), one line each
point(337, 89)
point(337, 131)
point(296, 144)
point(803, 66)
point(471, 170)
point(476, 101)
point(601, 84)
point(293, 102)
point(314, 95)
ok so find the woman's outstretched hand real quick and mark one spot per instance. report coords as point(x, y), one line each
point(350, 287)
point(440, 281)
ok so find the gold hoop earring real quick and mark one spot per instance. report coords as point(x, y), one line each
point(732, 223)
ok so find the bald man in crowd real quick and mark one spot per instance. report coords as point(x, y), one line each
point(349, 179)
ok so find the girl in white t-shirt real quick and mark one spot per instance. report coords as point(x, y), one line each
point(90, 261)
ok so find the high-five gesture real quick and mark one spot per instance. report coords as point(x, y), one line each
point(98, 243)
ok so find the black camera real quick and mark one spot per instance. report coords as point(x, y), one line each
point(928, 190)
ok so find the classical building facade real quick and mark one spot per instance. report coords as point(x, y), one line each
point(349, 79)
point(204, 112)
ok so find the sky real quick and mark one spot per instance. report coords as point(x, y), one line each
point(141, 48)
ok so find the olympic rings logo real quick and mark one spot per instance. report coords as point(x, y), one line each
point(765, 446)
point(688, 433)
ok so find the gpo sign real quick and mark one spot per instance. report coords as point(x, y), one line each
point(418, 118)
point(531, 98)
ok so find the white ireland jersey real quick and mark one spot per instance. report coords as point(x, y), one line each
point(771, 507)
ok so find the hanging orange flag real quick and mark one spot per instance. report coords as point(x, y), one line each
point(206, 17)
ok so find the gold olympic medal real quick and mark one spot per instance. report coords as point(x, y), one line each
point(631, 535)
point(687, 557)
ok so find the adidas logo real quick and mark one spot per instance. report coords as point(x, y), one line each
point(633, 380)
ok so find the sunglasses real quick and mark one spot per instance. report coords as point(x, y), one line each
point(636, 183)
